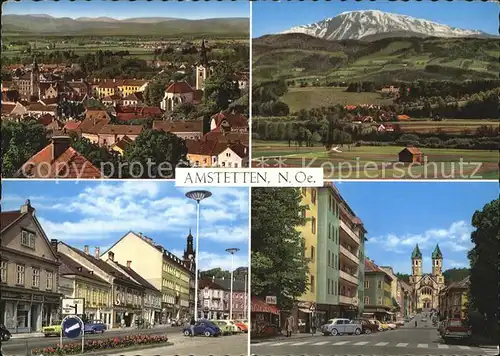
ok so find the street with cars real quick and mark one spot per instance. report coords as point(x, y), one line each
point(417, 336)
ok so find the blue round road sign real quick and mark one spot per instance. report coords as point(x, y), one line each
point(72, 327)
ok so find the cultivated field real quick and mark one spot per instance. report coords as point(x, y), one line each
point(316, 97)
point(451, 126)
point(370, 162)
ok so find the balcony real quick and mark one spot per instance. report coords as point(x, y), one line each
point(349, 255)
point(349, 278)
point(346, 300)
point(349, 232)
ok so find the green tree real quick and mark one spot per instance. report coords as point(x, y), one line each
point(279, 265)
point(154, 92)
point(101, 157)
point(220, 87)
point(20, 141)
point(184, 111)
point(455, 275)
point(156, 154)
point(483, 257)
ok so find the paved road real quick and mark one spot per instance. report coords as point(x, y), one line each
point(408, 340)
point(18, 346)
point(236, 345)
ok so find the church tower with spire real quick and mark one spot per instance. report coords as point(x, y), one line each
point(202, 68)
point(189, 252)
point(35, 78)
point(437, 264)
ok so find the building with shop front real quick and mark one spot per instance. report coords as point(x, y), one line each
point(212, 300)
point(77, 281)
point(453, 300)
point(126, 294)
point(239, 299)
point(166, 272)
point(378, 292)
point(29, 297)
point(334, 242)
point(408, 303)
point(396, 292)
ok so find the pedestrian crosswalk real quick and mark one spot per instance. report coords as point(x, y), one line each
point(356, 343)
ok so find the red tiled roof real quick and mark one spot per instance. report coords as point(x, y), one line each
point(179, 126)
point(240, 149)
point(259, 306)
point(121, 130)
point(208, 283)
point(7, 108)
point(233, 119)
point(71, 267)
point(413, 150)
point(231, 137)
point(69, 164)
point(72, 125)
point(179, 88)
point(39, 107)
point(370, 266)
point(8, 217)
point(46, 119)
point(205, 148)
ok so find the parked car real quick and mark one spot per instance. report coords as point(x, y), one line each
point(5, 334)
point(96, 326)
point(367, 326)
point(392, 325)
point(341, 326)
point(456, 329)
point(400, 322)
point(176, 322)
point(226, 326)
point(241, 326)
point(203, 327)
point(441, 327)
point(382, 326)
point(242, 321)
point(52, 330)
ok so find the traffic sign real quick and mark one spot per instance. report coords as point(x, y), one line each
point(72, 327)
point(72, 306)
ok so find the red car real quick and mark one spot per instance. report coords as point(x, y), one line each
point(455, 329)
point(367, 325)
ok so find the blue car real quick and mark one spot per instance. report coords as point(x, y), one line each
point(203, 327)
point(96, 326)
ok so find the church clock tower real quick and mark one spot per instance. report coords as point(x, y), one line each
point(35, 78)
point(437, 265)
point(202, 68)
point(416, 265)
point(189, 252)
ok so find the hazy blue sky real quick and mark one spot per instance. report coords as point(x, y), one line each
point(128, 9)
point(398, 215)
point(273, 17)
point(100, 213)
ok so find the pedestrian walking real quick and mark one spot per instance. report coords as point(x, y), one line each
point(415, 323)
point(289, 326)
point(191, 326)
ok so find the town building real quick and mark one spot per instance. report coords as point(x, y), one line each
point(126, 294)
point(396, 292)
point(239, 297)
point(202, 68)
point(187, 130)
point(378, 301)
point(178, 93)
point(29, 296)
point(408, 295)
point(426, 286)
point(77, 281)
point(212, 299)
point(453, 300)
point(163, 270)
point(334, 242)
point(410, 155)
point(59, 159)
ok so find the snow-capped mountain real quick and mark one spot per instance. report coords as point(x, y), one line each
point(373, 23)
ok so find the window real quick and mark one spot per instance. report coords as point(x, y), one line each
point(379, 300)
point(312, 284)
point(367, 284)
point(313, 225)
point(27, 239)
point(329, 259)
point(20, 275)
point(379, 284)
point(36, 277)
point(329, 289)
point(330, 203)
point(329, 231)
point(3, 270)
point(313, 196)
point(312, 252)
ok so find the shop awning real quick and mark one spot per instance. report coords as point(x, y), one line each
point(388, 312)
point(259, 306)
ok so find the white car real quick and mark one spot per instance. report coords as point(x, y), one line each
point(392, 325)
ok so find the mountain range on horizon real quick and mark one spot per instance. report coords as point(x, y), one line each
point(374, 24)
point(44, 24)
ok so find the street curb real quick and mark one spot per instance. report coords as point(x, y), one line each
point(128, 349)
point(279, 338)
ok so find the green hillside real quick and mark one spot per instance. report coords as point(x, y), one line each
point(299, 56)
point(28, 25)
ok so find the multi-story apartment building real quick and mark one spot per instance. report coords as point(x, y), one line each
point(378, 292)
point(29, 297)
point(453, 299)
point(396, 292)
point(334, 242)
point(162, 269)
point(212, 299)
point(126, 294)
point(408, 303)
point(76, 281)
point(215, 298)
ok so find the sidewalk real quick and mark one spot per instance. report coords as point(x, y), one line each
point(39, 334)
point(281, 337)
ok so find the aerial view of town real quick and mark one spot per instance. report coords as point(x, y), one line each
point(123, 90)
point(418, 277)
point(113, 268)
point(376, 90)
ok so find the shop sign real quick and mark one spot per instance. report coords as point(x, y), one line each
point(271, 299)
point(38, 298)
point(305, 305)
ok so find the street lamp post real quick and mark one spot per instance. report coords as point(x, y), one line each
point(198, 196)
point(232, 251)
